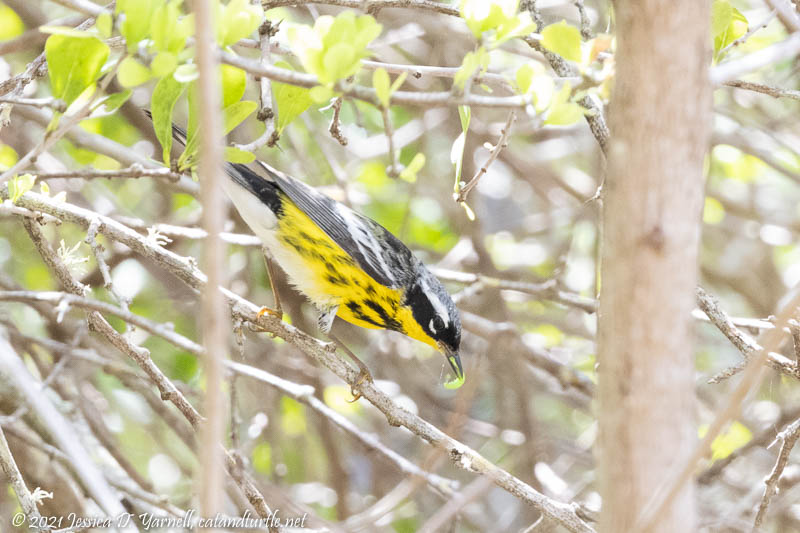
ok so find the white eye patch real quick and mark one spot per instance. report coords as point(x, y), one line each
point(431, 326)
point(438, 306)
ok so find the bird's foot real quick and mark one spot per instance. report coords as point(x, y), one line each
point(278, 313)
point(363, 376)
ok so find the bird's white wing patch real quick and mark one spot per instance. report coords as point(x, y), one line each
point(365, 240)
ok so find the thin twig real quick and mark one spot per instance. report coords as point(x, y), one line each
point(586, 23)
point(14, 478)
point(134, 171)
point(373, 6)
point(335, 126)
point(775, 92)
point(102, 266)
point(788, 438)
point(368, 94)
point(52, 103)
point(393, 171)
point(493, 153)
point(266, 112)
point(743, 342)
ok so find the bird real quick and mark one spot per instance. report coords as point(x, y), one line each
point(345, 263)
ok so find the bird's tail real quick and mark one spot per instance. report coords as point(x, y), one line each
point(178, 133)
point(258, 181)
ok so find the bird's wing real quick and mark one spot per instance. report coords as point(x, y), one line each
point(382, 255)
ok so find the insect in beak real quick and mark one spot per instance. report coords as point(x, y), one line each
point(454, 360)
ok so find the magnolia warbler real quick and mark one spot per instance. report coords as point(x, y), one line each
point(347, 265)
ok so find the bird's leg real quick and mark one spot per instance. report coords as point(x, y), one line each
point(278, 310)
point(363, 375)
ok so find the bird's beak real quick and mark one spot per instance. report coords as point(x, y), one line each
point(454, 360)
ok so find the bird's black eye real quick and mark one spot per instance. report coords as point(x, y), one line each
point(437, 324)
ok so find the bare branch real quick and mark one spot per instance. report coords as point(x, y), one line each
point(14, 478)
point(788, 438)
point(367, 94)
point(775, 92)
point(743, 342)
point(53, 103)
point(335, 126)
point(59, 428)
point(214, 319)
point(493, 153)
point(371, 6)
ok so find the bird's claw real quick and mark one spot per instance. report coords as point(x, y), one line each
point(267, 311)
point(363, 376)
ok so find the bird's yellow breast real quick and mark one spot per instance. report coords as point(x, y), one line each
point(328, 276)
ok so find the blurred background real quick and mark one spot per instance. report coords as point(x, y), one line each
point(523, 273)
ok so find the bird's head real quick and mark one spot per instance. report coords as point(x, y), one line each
point(437, 317)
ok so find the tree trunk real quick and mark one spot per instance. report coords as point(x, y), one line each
point(652, 202)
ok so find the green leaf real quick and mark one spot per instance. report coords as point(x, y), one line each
point(562, 111)
point(186, 73)
point(234, 82)
point(496, 21)
point(340, 62)
point(473, 61)
point(563, 39)
point(262, 458)
point(464, 116)
point(104, 24)
point(456, 382)
point(10, 24)
point(132, 73)
point(382, 84)
point(456, 156)
point(524, 78)
point(113, 102)
point(293, 418)
point(8, 157)
point(398, 81)
point(169, 29)
point(234, 114)
point(165, 94)
point(290, 100)
point(334, 47)
point(410, 172)
point(235, 155)
point(532, 79)
point(727, 25)
point(736, 436)
point(320, 94)
point(136, 22)
point(721, 16)
point(238, 20)
point(164, 64)
point(74, 64)
point(19, 185)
